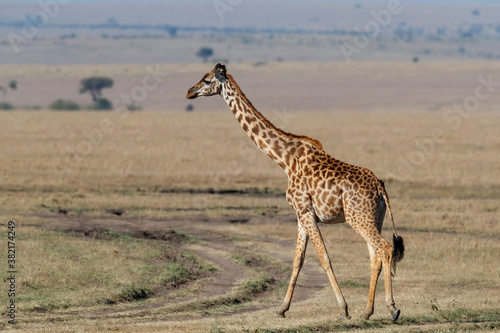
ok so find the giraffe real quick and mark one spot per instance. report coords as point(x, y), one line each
point(321, 189)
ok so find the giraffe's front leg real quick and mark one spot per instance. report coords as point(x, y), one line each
point(298, 261)
point(309, 222)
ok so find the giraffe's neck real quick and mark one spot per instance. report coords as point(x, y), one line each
point(271, 140)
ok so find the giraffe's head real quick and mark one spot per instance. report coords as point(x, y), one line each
point(210, 84)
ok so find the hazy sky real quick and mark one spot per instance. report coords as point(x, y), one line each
point(200, 23)
point(470, 2)
point(317, 15)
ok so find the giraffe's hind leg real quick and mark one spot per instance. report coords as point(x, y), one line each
point(376, 267)
point(389, 300)
point(382, 253)
point(375, 264)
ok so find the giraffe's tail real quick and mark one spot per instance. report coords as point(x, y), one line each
point(398, 251)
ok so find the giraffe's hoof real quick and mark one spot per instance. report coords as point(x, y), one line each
point(395, 315)
point(279, 315)
point(366, 316)
point(344, 317)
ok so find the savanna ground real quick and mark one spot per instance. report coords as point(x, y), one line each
point(173, 221)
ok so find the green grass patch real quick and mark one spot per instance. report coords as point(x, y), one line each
point(190, 238)
point(353, 284)
point(58, 270)
point(467, 315)
point(176, 275)
point(240, 260)
point(259, 284)
point(131, 293)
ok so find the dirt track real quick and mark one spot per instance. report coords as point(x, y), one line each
point(217, 248)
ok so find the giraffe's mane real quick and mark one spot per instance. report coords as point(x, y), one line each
point(267, 122)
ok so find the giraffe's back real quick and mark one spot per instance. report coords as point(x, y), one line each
point(324, 183)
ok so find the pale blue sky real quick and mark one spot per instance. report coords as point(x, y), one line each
point(470, 2)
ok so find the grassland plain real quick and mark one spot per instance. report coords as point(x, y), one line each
point(175, 222)
point(275, 87)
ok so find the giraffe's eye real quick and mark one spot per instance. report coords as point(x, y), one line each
point(207, 82)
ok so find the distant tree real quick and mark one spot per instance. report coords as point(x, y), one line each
point(476, 12)
point(205, 53)
point(6, 105)
point(476, 29)
point(172, 31)
point(94, 85)
point(416, 59)
point(13, 84)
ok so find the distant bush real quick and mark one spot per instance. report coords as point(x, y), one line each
point(64, 104)
point(6, 106)
point(102, 104)
point(134, 107)
point(260, 63)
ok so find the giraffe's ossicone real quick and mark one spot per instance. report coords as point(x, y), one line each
point(321, 189)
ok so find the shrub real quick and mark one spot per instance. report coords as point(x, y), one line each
point(13, 84)
point(102, 104)
point(64, 104)
point(134, 107)
point(6, 106)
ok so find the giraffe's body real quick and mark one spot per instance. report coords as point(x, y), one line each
point(320, 189)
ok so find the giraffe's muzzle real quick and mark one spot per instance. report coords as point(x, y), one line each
point(192, 93)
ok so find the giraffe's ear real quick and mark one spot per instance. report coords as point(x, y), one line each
point(220, 72)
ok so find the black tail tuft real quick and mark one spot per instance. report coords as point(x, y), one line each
point(398, 251)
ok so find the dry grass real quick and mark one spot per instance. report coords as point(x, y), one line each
point(60, 272)
point(158, 166)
